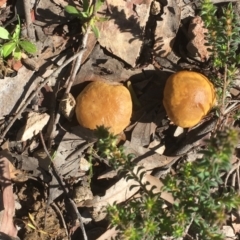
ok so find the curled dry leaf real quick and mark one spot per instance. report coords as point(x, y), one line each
point(7, 226)
point(35, 123)
point(197, 44)
point(155, 8)
point(67, 106)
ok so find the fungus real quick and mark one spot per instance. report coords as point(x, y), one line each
point(188, 97)
point(103, 103)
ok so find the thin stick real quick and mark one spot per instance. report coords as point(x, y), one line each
point(62, 218)
point(238, 179)
point(70, 82)
point(231, 171)
point(60, 181)
point(41, 85)
point(29, 25)
point(79, 218)
point(76, 68)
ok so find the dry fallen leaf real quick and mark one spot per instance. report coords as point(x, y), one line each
point(236, 227)
point(123, 190)
point(228, 232)
point(70, 150)
point(122, 34)
point(197, 45)
point(111, 233)
point(7, 226)
point(148, 158)
point(141, 134)
point(158, 184)
point(16, 91)
point(167, 28)
point(35, 123)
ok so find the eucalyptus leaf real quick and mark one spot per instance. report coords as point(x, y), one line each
point(84, 15)
point(85, 5)
point(91, 10)
point(4, 34)
point(8, 48)
point(28, 46)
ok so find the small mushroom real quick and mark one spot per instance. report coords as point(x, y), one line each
point(104, 103)
point(188, 97)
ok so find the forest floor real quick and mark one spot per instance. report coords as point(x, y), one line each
point(45, 156)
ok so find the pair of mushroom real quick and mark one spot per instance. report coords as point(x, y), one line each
point(188, 96)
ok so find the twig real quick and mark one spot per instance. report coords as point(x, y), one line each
point(231, 108)
point(74, 73)
point(79, 218)
point(60, 181)
point(238, 179)
point(41, 85)
point(70, 83)
point(62, 218)
point(189, 225)
point(231, 171)
point(29, 25)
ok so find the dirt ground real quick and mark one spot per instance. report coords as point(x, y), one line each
point(48, 160)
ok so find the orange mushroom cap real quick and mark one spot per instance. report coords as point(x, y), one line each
point(188, 97)
point(102, 103)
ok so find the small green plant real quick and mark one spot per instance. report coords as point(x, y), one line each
point(87, 15)
point(223, 40)
point(13, 44)
point(201, 200)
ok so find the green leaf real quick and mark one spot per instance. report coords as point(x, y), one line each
point(102, 19)
point(4, 34)
point(71, 10)
point(95, 31)
point(90, 12)
point(16, 33)
point(17, 53)
point(28, 46)
point(83, 15)
point(85, 5)
point(8, 48)
point(99, 3)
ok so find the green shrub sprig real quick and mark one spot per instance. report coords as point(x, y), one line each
point(201, 200)
point(87, 15)
point(223, 41)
